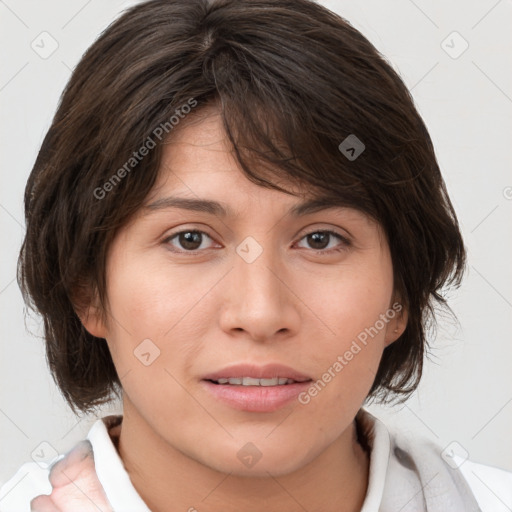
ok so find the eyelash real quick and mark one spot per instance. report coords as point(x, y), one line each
point(345, 242)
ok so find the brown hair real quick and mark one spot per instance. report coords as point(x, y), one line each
point(292, 81)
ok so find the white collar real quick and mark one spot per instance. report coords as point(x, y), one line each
point(110, 469)
point(378, 438)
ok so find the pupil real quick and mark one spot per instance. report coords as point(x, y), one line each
point(190, 240)
point(319, 238)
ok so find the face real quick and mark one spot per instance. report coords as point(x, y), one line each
point(193, 292)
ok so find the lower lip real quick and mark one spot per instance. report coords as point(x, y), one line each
point(256, 398)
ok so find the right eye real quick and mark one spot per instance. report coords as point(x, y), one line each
point(190, 240)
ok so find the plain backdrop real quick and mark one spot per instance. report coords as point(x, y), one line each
point(454, 56)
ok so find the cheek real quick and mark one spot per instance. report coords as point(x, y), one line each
point(151, 294)
point(354, 309)
point(352, 300)
point(153, 338)
point(152, 300)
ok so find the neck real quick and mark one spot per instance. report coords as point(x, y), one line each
point(335, 481)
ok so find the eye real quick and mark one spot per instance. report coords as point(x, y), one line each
point(190, 240)
point(320, 241)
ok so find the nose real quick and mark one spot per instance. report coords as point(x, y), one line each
point(259, 302)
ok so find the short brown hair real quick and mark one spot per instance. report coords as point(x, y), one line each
point(292, 81)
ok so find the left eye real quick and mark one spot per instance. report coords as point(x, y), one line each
point(323, 238)
point(192, 240)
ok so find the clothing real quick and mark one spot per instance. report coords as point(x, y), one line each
point(406, 475)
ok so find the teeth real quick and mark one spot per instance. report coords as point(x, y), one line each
point(250, 381)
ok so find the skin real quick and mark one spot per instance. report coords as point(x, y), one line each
point(209, 308)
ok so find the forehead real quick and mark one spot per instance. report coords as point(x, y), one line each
point(198, 160)
point(200, 173)
point(201, 128)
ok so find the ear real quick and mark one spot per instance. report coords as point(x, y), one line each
point(397, 323)
point(91, 315)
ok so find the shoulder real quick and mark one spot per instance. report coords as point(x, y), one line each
point(492, 487)
point(56, 484)
point(52, 486)
point(474, 485)
point(412, 472)
point(31, 480)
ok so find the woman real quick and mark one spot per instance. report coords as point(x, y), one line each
point(237, 224)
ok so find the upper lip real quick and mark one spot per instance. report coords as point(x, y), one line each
point(268, 371)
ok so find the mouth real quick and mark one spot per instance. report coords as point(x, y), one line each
point(251, 381)
point(253, 375)
point(251, 388)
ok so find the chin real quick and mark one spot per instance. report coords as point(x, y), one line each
point(249, 461)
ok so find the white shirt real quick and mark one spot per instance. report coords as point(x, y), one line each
point(406, 475)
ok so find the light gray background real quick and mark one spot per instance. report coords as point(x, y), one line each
point(466, 393)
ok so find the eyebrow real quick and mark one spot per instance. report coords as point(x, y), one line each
point(216, 208)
